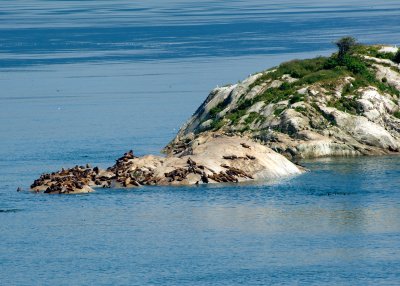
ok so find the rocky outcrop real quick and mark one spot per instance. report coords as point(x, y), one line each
point(207, 159)
point(308, 109)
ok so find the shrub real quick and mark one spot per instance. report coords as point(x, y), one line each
point(215, 110)
point(331, 63)
point(396, 58)
point(236, 115)
point(323, 75)
point(217, 124)
point(345, 104)
point(355, 65)
point(274, 95)
point(387, 88)
point(373, 51)
point(300, 68)
point(345, 45)
point(296, 98)
point(251, 117)
point(285, 86)
point(300, 109)
point(278, 111)
point(245, 104)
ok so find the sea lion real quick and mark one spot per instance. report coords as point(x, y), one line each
point(204, 178)
point(244, 145)
point(232, 157)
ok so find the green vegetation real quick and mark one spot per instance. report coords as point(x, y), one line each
point(373, 51)
point(300, 109)
point(274, 95)
point(345, 45)
point(324, 71)
point(300, 68)
point(324, 75)
point(397, 114)
point(361, 71)
point(235, 116)
point(217, 124)
point(345, 104)
point(217, 109)
point(396, 58)
point(251, 118)
point(294, 68)
point(278, 111)
point(296, 98)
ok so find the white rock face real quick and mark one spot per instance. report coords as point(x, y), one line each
point(389, 49)
point(363, 130)
point(240, 89)
point(257, 107)
point(267, 163)
point(325, 148)
point(216, 96)
point(392, 77)
point(292, 121)
point(374, 105)
point(229, 94)
point(216, 154)
point(380, 61)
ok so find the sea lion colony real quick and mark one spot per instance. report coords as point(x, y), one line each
point(212, 158)
point(76, 179)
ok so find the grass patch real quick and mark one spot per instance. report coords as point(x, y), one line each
point(373, 51)
point(278, 111)
point(253, 116)
point(396, 57)
point(300, 68)
point(324, 75)
point(217, 124)
point(397, 114)
point(345, 104)
point(300, 109)
point(235, 116)
point(274, 95)
point(217, 109)
point(296, 98)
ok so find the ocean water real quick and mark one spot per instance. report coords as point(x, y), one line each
point(85, 81)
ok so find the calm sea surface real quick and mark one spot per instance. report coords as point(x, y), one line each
point(85, 81)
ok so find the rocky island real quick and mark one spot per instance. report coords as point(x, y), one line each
point(343, 105)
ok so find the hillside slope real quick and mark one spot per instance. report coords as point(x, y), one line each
point(310, 108)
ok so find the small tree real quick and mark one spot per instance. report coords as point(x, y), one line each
point(345, 46)
point(397, 57)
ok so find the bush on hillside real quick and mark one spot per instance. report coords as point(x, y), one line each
point(397, 57)
point(345, 45)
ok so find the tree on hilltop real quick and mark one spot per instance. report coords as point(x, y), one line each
point(345, 46)
point(397, 57)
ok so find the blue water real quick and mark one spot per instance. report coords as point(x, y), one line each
point(85, 81)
